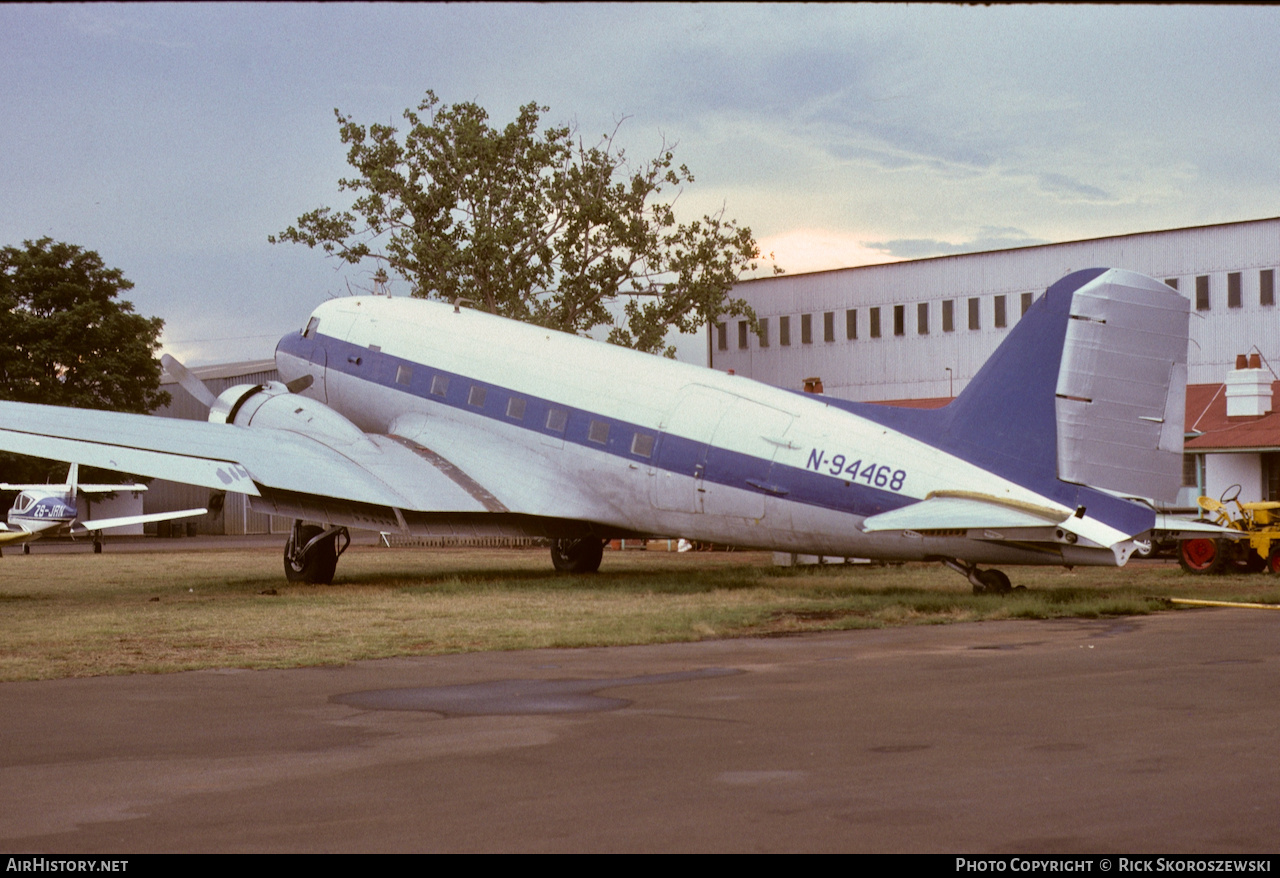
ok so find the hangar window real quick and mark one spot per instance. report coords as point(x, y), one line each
point(642, 444)
point(784, 331)
point(1172, 282)
point(515, 408)
point(1233, 290)
point(875, 322)
point(556, 419)
point(476, 396)
point(404, 375)
point(742, 335)
point(763, 334)
point(722, 337)
point(899, 319)
point(948, 315)
point(599, 432)
point(1001, 320)
point(922, 318)
point(974, 322)
point(851, 324)
point(439, 385)
point(806, 329)
point(1027, 299)
point(1202, 292)
point(1266, 287)
point(829, 326)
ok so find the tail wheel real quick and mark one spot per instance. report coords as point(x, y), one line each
point(577, 556)
point(1200, 556)
point(993, 582)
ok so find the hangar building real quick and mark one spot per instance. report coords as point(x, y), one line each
point(919, 330)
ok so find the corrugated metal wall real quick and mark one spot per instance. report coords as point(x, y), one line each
point(914, 364)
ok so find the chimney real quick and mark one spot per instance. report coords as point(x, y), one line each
point(813, 385)
point(1248, 388)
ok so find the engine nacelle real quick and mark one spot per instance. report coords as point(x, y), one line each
point(272, 405)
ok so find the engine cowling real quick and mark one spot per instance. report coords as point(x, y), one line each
point(272, 405)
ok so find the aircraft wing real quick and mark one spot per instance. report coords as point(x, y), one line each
point(373, 470)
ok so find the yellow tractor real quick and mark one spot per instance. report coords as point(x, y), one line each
point(1258, 547)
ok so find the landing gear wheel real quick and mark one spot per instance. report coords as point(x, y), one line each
point(316, 565)
point(577, 556)
point(97, 547)
point(26, 548)
point(993, 582)
point(1200, 556)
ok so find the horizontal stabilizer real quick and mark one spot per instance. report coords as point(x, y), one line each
point(126, 520)
point(963, 513)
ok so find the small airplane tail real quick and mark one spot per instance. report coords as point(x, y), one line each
point(1089, 388)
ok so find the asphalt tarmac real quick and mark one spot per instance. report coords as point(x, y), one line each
point(1155, 734)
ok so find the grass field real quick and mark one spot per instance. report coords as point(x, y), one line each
point(68, 615)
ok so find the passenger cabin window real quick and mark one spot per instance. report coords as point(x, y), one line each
point(475, 396)
point(598, 432)
point(404, 375)
point(515, 408)
point(642, 444)
point(556, 419)
point(439, 385)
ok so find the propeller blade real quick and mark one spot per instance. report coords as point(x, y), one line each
point(190, 383)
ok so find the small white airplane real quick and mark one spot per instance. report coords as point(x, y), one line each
point(46, 510)
point(405, 415)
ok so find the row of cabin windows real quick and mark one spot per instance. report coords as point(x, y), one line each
point(1235, 296)
point(556, 421)
point(875, 328)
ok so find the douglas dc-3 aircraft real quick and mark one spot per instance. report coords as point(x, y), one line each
point(44, 510)
point(426, 418)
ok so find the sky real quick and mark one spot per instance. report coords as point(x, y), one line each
point(174, 139)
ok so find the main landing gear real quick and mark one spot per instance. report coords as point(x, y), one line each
point(311, 554)
point(577, 556)
point(989, 581)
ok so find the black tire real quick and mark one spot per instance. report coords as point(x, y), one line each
point(993, 582)
point(1200, 556)
point(577, 556)
point(315, 567)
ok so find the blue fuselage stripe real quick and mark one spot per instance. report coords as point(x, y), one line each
point(671, 453)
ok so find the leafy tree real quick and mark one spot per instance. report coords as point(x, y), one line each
point(65, 338)
point(531, 225)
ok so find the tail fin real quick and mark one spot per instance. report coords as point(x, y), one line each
point(1088, 388)
point(73, 479)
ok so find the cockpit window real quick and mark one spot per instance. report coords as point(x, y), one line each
point(312, 326)
point(23, 503)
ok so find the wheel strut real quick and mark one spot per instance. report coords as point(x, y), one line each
point(989, 581)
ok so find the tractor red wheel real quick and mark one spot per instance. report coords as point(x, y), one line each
point(1200, 556)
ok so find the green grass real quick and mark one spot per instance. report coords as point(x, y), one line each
point(80, 614)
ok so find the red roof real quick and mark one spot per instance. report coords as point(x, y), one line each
point(1207, 415)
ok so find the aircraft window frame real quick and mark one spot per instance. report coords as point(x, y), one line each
point(439, 385)
point(642, 444)
point(404, 375)
point(476, 395)
point(312, 327)
point(598, 432)
point(557, 419)
point(19, 507)
point(515, 408)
